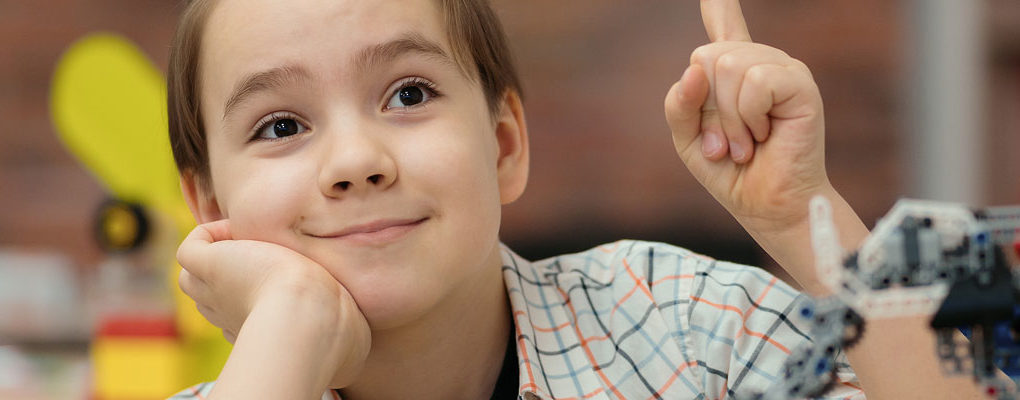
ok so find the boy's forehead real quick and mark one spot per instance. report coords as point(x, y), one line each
point(248, 36)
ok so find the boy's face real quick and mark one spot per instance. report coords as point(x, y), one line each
point(324, 116)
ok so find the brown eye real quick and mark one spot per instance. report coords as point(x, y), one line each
point(285, 127)
point(280, 128)
point(412, 93)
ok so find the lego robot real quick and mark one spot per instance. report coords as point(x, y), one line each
point(923, 258)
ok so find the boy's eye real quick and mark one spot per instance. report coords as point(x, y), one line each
point(278, 127)
point(414, 92)
point(410, 96)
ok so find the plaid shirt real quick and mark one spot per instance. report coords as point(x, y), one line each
point(641, 320)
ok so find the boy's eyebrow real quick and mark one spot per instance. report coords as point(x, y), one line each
point(364, 61)
point(410, 42)
point(260, 81)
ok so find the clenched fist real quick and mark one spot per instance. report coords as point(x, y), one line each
point(747, 121)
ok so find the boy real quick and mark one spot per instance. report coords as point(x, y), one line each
point(347, 161)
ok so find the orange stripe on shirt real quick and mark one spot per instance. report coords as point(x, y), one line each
point(609, 248)
point(553, 329)
point(754, 306)
point(638, 281)
point(591, 356)
point(526, 386)
point(676, 374)
point(566, 302)
point(761, 297)
point(524, 350)
point(719, 306)
point(590, 339)
point(745, 330)
point(622, 300)
point(767, 339)
point(196, 393)
point(593, 393)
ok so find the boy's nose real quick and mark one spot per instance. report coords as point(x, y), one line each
point(355, 164)
point(371, 181)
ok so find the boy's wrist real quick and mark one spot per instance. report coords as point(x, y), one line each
point(311, 330)
point(786, 218)
point(282, 351)
point(788, 242)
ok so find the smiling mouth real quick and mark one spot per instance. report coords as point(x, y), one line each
point(376, 232)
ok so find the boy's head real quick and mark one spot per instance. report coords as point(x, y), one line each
point(304, 121)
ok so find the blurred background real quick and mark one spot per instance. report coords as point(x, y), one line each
point(922, 99)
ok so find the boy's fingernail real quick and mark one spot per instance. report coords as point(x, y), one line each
point(737, 151)
point(711, 143)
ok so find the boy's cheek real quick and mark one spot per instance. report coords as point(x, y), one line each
point(263, 210)
point(248, 227)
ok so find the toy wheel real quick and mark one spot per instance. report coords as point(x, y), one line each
point(120, 226)
point(853, 328)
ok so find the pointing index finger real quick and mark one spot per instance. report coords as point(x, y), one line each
point(724, 21)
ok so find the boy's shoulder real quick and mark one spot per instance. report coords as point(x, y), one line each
point(663, 272)
point(652, 263)
point(648, 319)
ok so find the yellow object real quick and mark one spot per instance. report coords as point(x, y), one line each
point(108, 103)
point(120, 226)
point(138, 367)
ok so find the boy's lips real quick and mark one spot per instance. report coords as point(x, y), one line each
point(374, 232)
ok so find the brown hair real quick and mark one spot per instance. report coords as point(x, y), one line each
point(472, 29)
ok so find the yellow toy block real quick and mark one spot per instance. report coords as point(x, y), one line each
point(137, 359)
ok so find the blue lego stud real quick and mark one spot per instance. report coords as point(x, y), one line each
point(822, 366)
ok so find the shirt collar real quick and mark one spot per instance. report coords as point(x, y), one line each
point(514, 269)
point(541, 320)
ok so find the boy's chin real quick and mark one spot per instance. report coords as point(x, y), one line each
point(394, 303)
point(405, 296)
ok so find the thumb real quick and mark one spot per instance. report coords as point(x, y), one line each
point(683, 108)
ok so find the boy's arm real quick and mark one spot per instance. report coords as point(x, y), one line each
point(747, 121)
point(279, 354)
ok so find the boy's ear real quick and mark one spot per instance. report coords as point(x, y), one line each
point(203, 204)
point(512, 136)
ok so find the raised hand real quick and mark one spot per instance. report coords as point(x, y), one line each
point(230, 280)
point(747, 121)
